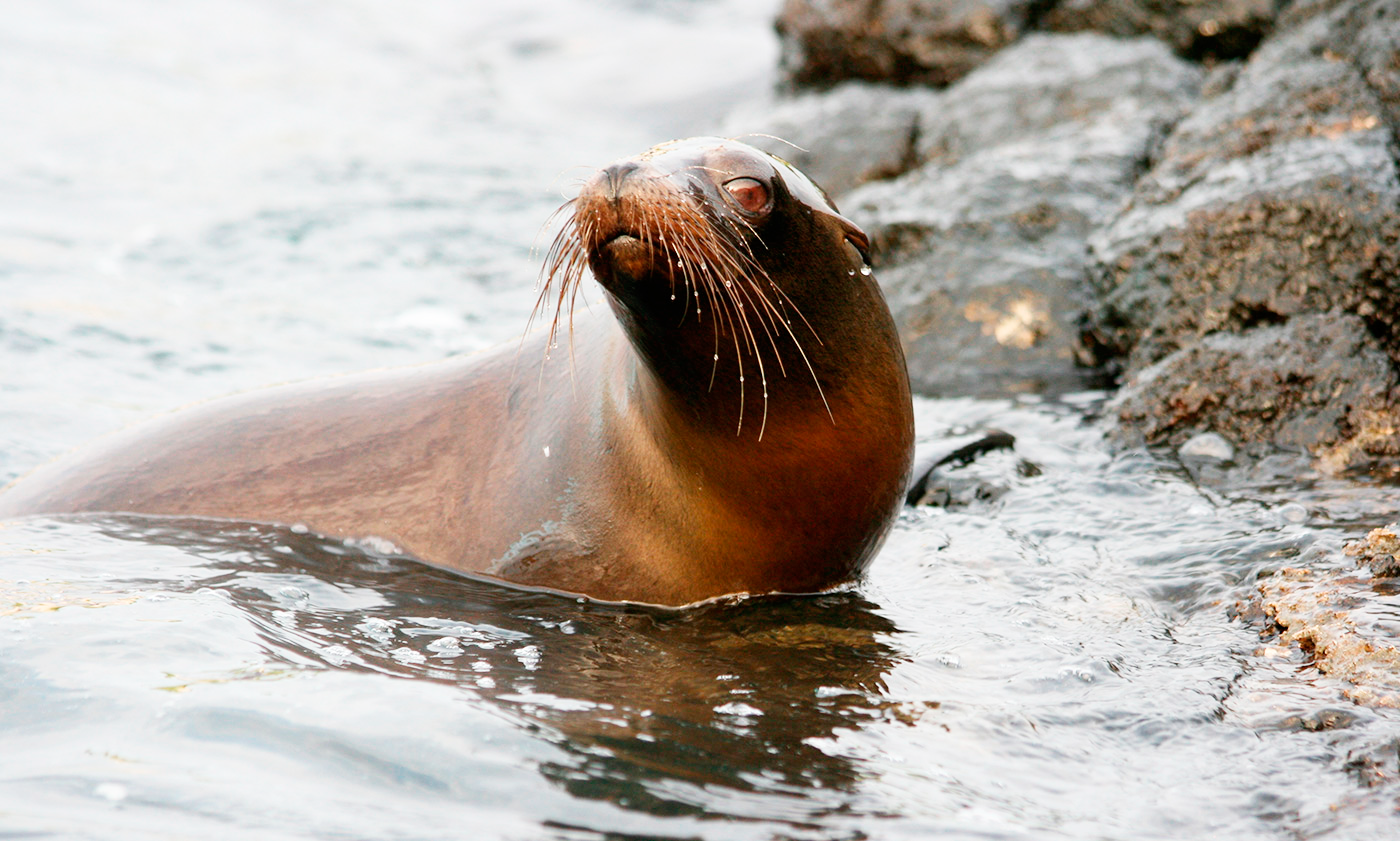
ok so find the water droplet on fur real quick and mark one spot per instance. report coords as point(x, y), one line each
point(673, 296)
point(717, 357)
point(729, 283)
point(851, 273)
point(865, 270)
point(741, 379)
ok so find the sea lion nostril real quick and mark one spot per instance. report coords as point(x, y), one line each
point(614, 175)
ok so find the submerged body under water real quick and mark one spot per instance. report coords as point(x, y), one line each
point(204, 202)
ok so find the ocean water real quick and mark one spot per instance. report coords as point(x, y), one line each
point(201, 198)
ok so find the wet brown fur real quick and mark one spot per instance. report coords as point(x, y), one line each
point(627, 474)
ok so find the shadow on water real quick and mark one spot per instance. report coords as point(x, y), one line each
point(659, 711)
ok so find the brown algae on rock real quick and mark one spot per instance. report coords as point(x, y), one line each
point(1327, 613)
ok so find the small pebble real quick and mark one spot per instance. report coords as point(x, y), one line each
point(1209, 445)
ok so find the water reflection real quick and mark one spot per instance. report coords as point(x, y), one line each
point(664, 712)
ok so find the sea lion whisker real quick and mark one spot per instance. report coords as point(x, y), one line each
point(674, 262)
point(680, 253)
point(742, 330)
point(560, 241)
point(724, 320)
point(753, 232)
point(713, 269)
point(795, 308)
point(761, 306)
point(563, 254)
point(677, 264)
point(732, 295)
point(565, 263)
point(739, 360)
point(740, 270)
point(783, 140)
point(703, 168)
point(725, 259)
point(786, 326)
point(752, 340)
point(576, 182)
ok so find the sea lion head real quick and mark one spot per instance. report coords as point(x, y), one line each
point(718, 259)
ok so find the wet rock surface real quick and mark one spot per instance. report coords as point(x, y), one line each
point(1311, 610)
point(932, 42)
point(1343, 619)
point(1312, 385)
point(1378, 550)
point(1273, 209)
point(981, 250)
point(1197, 201)
point(1274, 197)
point(1080, 209)
point(1210, 29)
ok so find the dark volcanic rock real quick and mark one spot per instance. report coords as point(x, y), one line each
point(1318, 384)
point(1201, 29)
point(901, 41)
point(982, 251)
point(1277, 198)
point(1378, 550)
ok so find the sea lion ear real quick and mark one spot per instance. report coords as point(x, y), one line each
point(855, 236)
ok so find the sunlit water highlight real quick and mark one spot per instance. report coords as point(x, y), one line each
point(213, 198)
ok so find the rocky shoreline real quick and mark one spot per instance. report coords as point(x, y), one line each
point(1193, 204)
point(1197, 202)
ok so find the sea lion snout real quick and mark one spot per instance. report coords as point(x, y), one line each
point(627, 217)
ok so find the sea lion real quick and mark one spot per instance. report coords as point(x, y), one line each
point(740, 423)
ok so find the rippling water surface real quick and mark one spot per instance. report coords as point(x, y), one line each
point(198, 198)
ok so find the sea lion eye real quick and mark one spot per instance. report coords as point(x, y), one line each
point(749, 193)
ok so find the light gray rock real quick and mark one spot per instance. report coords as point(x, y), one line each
point(1278, 196)
point(1207, 445)
point(1275, 204)
point(854, 133)
point(1047, 81)
point(982, 250)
